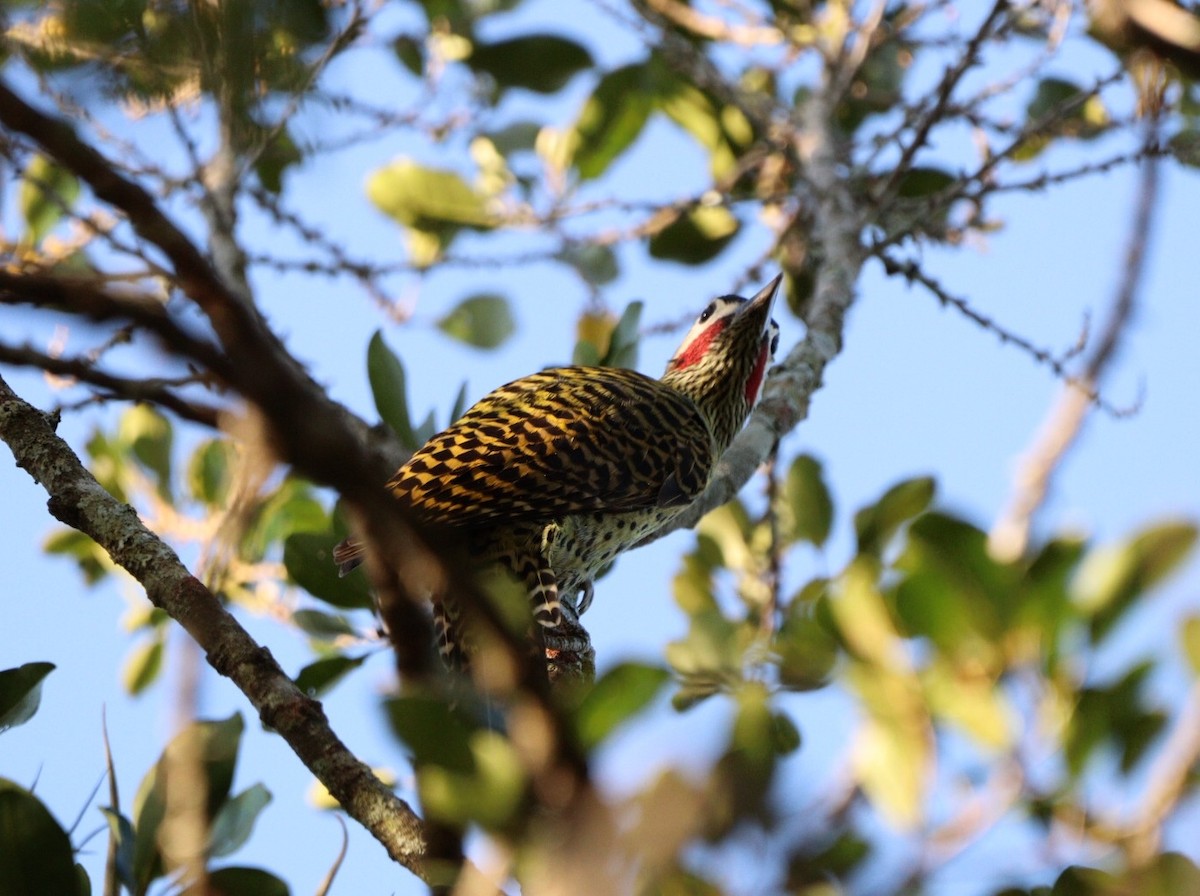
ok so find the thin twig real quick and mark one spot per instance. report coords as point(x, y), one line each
point(1009, 537)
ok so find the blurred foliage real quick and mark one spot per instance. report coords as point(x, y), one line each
point(37, 856)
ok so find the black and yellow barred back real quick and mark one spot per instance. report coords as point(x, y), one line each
point(559, 442)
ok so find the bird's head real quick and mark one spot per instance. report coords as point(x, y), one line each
point(730, 344)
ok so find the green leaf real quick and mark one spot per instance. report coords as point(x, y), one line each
point(142, 666)
point(722, 130)
point(597, 265)
point(1060, 109)
point(490, 795)
point(410, 51)
point(323, 625)
point(427, 199)
point(543, 63)
point(121, 833)
point(622, 348)
point(876, 85)
point(93, 561)
point(877, 524)
point(893, 752)
point(385, 372)
point(1077, 880)
point(696, 236)
point(616, 697)
point(290, 508)
point(1189, 636)
point(278, 156)
point(807, 511)
point(917, 183)
point(308, 557)
point(208, 750)
point(235, 820)
point(434, 733)
point(1185, 147)
point(241, 881)
point(210, 471)
point(806, 651)
point(318, 677)
point(35, 852)
point(784, 735)
point(46, 190)
point(612, 119)
point(1112, 578)
point(482, 320)
point(21, 693)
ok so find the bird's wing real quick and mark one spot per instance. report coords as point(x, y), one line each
point(565, 440)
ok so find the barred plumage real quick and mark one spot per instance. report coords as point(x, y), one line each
point(554, 474)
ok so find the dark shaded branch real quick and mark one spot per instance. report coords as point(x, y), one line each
point(79, 501)
point(327, 444)
point(85, 297)
point(154, 391)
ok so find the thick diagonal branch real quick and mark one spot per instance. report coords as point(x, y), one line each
point(835, 238)
point(78, 500)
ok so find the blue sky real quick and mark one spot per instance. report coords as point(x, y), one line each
point(917, 390)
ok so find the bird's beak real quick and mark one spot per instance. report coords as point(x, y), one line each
point(758, 309)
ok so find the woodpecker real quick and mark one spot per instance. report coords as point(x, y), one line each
point(554, 474)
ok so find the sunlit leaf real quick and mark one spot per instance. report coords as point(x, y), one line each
point(892, 754)
point(877, 524)
point(862, 617)
point(47, 193)
point(974, 703)
point(427, 198)
point(483, 320)
point(618, 695)
point(489, 794)
point(93, 561)
point(35, 852)
point(696, 236)
point(1113, 577)
point(807, 510)
point(612, 119)
point(21, 693)
point(142, 666)
point(806, 653)
point(1189, 636)
point(210, 471)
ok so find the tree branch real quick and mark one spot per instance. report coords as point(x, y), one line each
point(78, 500)
point(835, 238)
point(1009, 537)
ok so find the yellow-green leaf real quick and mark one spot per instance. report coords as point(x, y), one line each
point(47, 191)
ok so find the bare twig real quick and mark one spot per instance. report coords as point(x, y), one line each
point(1057, 364)
point(1010, 535)
point(155, 391)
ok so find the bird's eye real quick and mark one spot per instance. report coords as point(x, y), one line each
point(708, 312)
point(775, 343)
